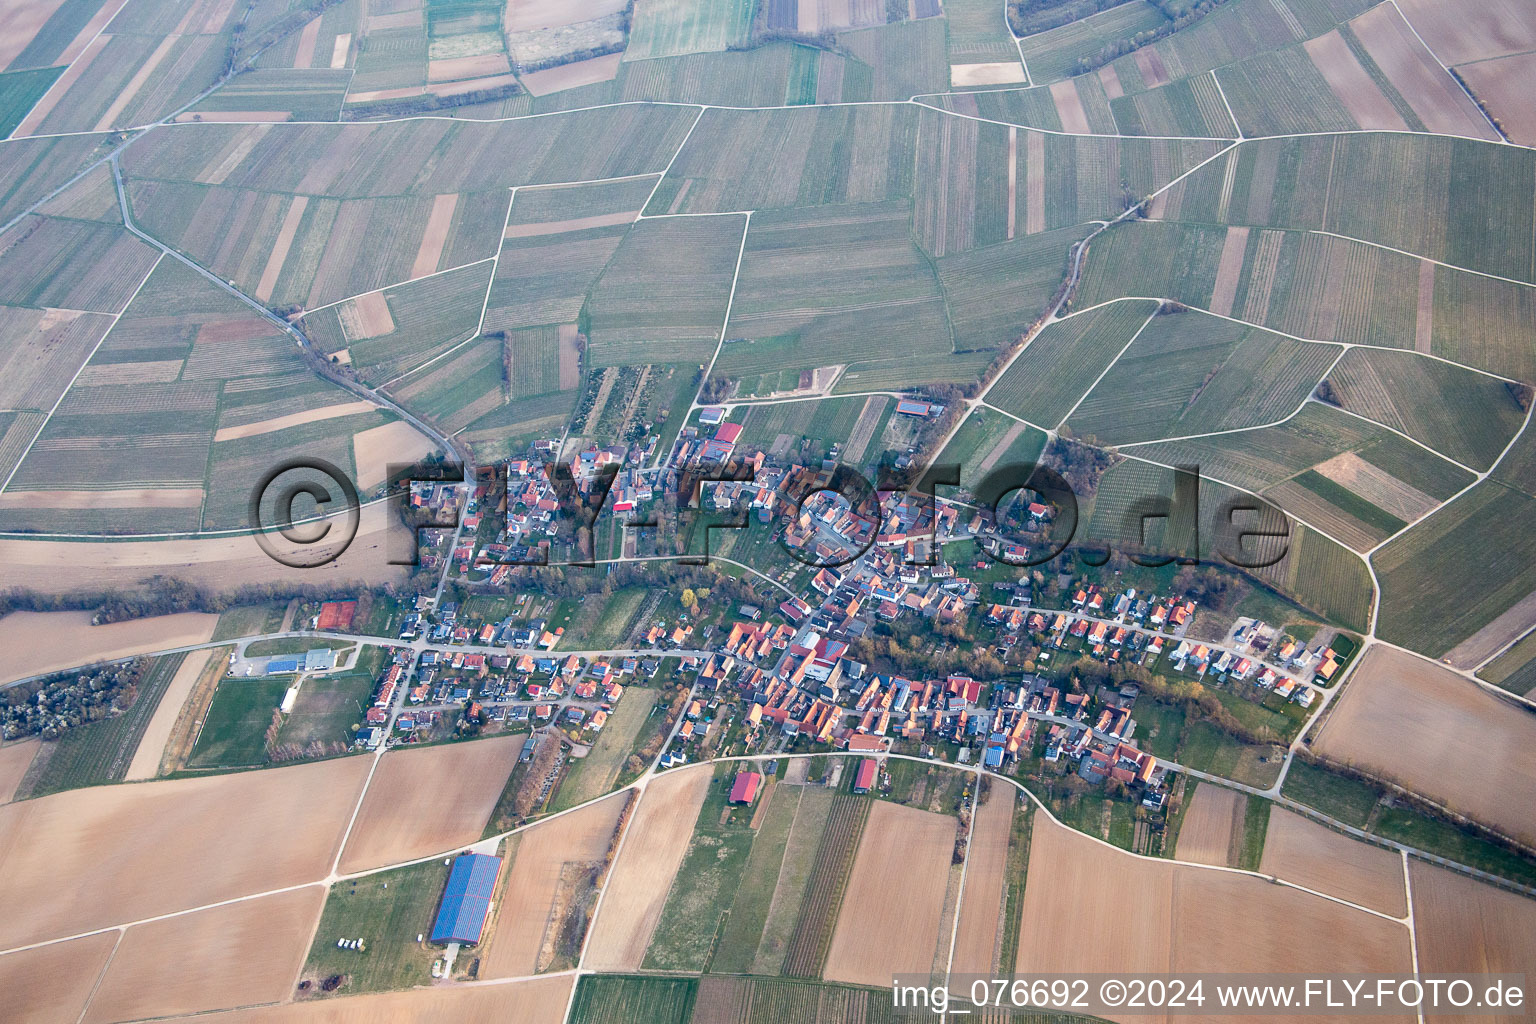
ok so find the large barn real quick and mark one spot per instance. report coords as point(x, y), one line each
point(467, 899)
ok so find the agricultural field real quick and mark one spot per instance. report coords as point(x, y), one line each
point(1190, 373)
point(1425, 600)
point(896, 839)
point(55, 981)
point(979, 183)
point(663, 295)
point(982, 920)
point(1515, 669)
point(1061, 363)
point(1212, 826)
point(149, 846)
point(708, 878)
point(1420, 398)
point(1397, 719)
point(770, 159)
point(1169, 917)
point(654, 847)
point(387, 910)
point(1300, 850)
point(77, 641)
point(19, 91)
point(247, 952)
point(549, 882)
point(615, 999)
point(1466, 925)
point(1054, 54)
point(102, 751)
point(664, 28)
point(989, 441)
point(830, 286)
point(429, 800)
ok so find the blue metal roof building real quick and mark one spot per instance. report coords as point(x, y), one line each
point(467, 899)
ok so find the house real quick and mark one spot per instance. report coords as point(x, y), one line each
point(744, 789)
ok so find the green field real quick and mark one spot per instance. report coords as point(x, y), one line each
point(100, 752)
point(429, 316)
point(387, 911)
point(19, 91)
point(706, 883)
point(664, 28)
point(621, 999)
point(596, 774)
point(305, 94)
point(1190, 373)
point(662, 298)
point(1054, 54)
point(1515, 669)
point(1255, 828)
point(1062, 362)
point(234, 730)
point(771, 159)
point(1483, 536)
point(1427, 400)
point(830, 286)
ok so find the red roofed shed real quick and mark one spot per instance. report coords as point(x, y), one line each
point(744, 789)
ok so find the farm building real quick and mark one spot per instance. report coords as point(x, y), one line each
point(744, 789)
point(864, 781)
point(711, 415)
point(467, 899)
point(913, 407)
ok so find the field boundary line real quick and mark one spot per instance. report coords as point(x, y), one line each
point(725, 323)
point(102, 975)
point(1413, 931)
point(501, 243)
point(1029, 83)
point(1497, 132)
point(1227, 483)
point(397, 284)
point(67, 388)
point(670, 161)
point(1399, 433)
point(1481, 477)
point(1123, 349)
point(1223, 94)
point(1052, 131)
point(1420, 256)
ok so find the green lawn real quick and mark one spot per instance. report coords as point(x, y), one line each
point(599, 771)
point(326, 710)
point(293, 645)
point(249, 620)
point(387, 911)
point(1349, 800)
point(1255, 828)
point(234, 731)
